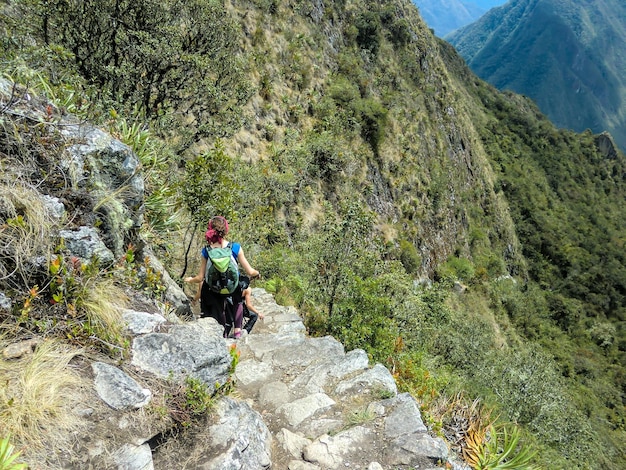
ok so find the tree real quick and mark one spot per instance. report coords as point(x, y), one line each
point(208, 187)
point(176, 62)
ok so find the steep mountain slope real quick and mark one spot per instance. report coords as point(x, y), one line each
point(565, 55)
point(444, 16)
point(402, 204)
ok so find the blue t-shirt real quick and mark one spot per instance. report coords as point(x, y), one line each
point(235, 247)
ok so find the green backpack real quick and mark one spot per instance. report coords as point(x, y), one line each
point(222, 272)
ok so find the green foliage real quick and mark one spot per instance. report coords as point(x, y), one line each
point(414, 376)
point(543, 350)
point(340, 253)
point(189, 401)
point(8, 457)
point(180, 55)
point(209, 187)
point(364, 320)
point(409, 257)
point(373, 116)
point(456, 268)
point(400, 32)
point(369, 31)
point(502, 451)
point(161, 208)
point(197, 399)
point(327, 159)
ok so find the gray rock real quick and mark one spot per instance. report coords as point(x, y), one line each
point(22, 348)
point(131, 457)
point(138, 323)
point(192, 349)
point(54, 206)
point(264, 345)
point(413, 449)
point(376, 379)
point(109, 172)
point(311, 350)
point(300, 465)
point(299, 410)
point(251, 371)
point(173, 293)
point(403, 417)
point(317, 427)
point(5, 302)
point(117, 389)
point(405, 433)
point(292, 443)
point(85, 243)
point(316, 376)
point(274, 394)
point(330, 451)
point(241, 440)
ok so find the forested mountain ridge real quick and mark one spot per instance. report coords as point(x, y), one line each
point(565, 55)
point(446, 16)
point(405, 206)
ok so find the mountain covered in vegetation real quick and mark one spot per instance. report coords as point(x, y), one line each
point(445, 16)
point(565, 55)
point(402, 204)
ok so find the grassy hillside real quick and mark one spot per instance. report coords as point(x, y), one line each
point(402, 204)
point(565, 55)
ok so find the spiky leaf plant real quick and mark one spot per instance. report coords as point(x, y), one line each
point(7, 457)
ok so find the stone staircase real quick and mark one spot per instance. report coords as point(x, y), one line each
point(325, 408)
point(299, 403)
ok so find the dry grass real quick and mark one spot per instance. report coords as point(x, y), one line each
point(103, 304)
point(25, 231)
point(37, 394)
point(464, 423)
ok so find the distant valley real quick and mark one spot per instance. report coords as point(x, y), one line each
point(445, 16)
point(565, 55)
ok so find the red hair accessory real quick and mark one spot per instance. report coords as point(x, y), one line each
point(211, 234)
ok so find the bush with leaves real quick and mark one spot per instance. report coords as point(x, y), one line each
point(155, 57)
point(208, 187)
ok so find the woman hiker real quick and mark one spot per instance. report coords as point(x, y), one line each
point(218, 302)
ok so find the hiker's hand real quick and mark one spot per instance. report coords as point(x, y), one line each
point(256, 276)
point(189, 279)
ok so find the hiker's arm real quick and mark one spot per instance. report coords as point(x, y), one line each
point(197, 279)
point(197, 296)
point(246, 266)
point(248, 299)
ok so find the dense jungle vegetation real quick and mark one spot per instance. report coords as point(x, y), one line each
point(400, 203)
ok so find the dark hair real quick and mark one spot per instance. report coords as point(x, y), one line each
point(217, 229)
point(244, 282)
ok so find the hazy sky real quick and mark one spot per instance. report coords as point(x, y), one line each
point(487, 4)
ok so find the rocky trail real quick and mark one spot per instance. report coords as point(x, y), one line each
point(298, 402)
point(320, 407)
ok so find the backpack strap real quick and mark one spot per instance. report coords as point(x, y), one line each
point(235, 247)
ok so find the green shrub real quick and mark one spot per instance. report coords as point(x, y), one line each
point(373, 118)
point(369, 31)
point(501, 450)
point(409, 257)
point(208, 187)
point(455, 268)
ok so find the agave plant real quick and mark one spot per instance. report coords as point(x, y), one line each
point(7, 457)
point(499, 449)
